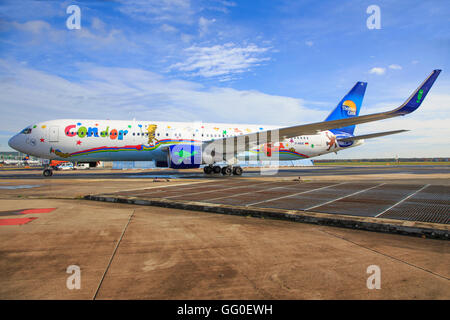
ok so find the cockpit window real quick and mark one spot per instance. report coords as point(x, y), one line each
point(26, 131)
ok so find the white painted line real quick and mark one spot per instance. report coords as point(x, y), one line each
point(295, 194)
point(402, 200)
point(219, 190)
point(188, 184)
point(165, 186)
point(349, 195)
point(211, 185)
point(240, 194)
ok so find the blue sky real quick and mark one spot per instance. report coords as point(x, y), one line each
point(269, 62)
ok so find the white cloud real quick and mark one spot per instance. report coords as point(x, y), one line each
point(395, 67)
point(179, 11)
point(97, 36)
point(378, 71)
point(221, 60)
point(98, 25)
point(309, 43)
point(228, 3)
point(204, 24)
point(186, 38)
point(219, 5)
point(34, 26)
point(168, 28)
point(30, 96)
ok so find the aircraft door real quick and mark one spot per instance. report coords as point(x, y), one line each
point(53, 134)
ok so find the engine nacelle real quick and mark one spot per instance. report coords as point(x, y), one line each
point(342, 135)
point(184, 156)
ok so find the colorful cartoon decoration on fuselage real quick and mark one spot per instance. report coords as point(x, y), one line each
point(59, 153)
point(83, 132)
point(331, 142)
point(151, 134)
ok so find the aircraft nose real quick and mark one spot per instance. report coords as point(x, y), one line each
point(13, 142)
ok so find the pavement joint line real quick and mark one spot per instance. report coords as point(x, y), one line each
point(112, 256)
point(340, 198)
point(401, 201)
point(386, 255)
point(295, 194)
point(195, 193)
point(240, 194)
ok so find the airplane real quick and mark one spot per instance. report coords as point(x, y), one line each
point(24, 161)
point(27, 161)
point(183, 145)
point(13, 162)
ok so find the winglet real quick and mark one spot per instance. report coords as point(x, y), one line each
point(415, 100)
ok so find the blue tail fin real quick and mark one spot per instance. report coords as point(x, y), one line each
point(349, 106)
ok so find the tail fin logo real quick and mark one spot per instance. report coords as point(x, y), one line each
point(350, 107)
point(419, 96)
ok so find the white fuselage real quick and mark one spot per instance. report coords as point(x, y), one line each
point(109, 140)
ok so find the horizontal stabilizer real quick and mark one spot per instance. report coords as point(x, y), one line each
point(372, 135)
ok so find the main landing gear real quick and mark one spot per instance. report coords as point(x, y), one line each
point(226, 171)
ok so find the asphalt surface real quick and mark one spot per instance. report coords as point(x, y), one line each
point(248, 172)
point(127, 251)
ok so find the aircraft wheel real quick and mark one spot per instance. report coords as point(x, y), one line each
point(237, 171)
point(216, 169)
point(47, 173)
point(226, 171)
point(208, 169)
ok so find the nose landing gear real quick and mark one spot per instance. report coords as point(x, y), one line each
point(47, 172)
point(226, 171)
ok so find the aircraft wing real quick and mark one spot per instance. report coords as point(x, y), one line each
point(246, 141)
point(369, 136)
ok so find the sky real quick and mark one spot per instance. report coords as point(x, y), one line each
point(258, 62)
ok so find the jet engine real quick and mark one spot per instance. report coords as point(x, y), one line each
point(184, 156)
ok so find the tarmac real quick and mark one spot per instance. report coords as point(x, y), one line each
point(135, 251)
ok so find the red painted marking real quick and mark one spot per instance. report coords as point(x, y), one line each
point(15, 222)
point(43, 210)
